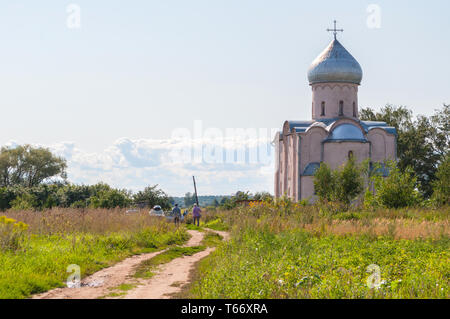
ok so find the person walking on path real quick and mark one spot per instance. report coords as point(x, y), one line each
point(176, 213)
point(196, 214)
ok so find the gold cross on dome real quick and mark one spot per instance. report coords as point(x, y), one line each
point(335, 31)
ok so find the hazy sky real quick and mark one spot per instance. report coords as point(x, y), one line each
point(114, 90)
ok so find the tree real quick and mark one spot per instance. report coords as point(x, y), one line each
point(110, 199)
point(265, 196)
point(74, 195)
point(396, 190)
point(7, 195)
point(342, 185)
point(240, 195)
point(29, 166)
point(152, 196)
point(349, 181)
point(26, 201)
point(441, 130)
point(441, 185)
point(421, 143)
point(325, 182)
point(189, 199)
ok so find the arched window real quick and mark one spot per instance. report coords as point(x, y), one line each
point(322, 109)
point(341, 108)
point(354, 110)
point(350, 154)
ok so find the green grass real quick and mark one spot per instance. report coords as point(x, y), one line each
point(41, 263)
point(147, 267)
point(259, 263)
point(114, 294)
point(125, 287)
point(211, 239)
point(120, 290)
point(194, 227)
point(217, 224)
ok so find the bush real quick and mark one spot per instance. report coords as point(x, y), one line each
point(325, 183)
point(25, 201)
point(342, 185)
point(349, 181)
point(152, 196)
point(7, 195)
point(398, 189)
point(110, 199)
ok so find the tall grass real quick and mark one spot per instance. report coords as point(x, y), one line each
point(310, 252)
point(98, 221)
point(398, 224)
point(92, 239)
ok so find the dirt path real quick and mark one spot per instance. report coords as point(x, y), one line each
point(168, 279)
point(171, 277)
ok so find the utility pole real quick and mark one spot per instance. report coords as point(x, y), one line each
point(195, 188)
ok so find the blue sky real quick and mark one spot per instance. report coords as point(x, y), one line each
point(116, 89)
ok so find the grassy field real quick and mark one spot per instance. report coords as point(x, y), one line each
point(281, 250)
point(37, 260)
point(310, 252)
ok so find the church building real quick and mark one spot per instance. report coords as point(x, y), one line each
point(335, 131)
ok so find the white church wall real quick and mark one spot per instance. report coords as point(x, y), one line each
point(383, 145)
point(335, 154)
point(307, 188)
point(332, 94)
point(378, 147)
point(311, 146)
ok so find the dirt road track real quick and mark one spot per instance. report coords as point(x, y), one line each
point(168, 278)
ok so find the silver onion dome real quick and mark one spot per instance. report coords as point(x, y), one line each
point(335, 64)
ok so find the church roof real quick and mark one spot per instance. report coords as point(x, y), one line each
point(335, 64)
point(310, 169)
point(346, 132)
point(303, 126)
point(369, 125)
point(300, 126)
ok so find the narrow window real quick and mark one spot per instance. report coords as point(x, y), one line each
point(322, 112)
point(341, 108)
point(350, 155)
point(354, 109)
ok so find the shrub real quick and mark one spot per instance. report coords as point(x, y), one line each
point(110, 199)
point(398, 189)
point(25, 201)
point(324, 182)
point(349, 181)
point(342, 185)
point(151, 196)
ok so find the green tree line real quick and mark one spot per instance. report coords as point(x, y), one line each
point(34, 178)
point(101, 195)
point(422, 142)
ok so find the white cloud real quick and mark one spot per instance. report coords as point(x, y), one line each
point(134, 164)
